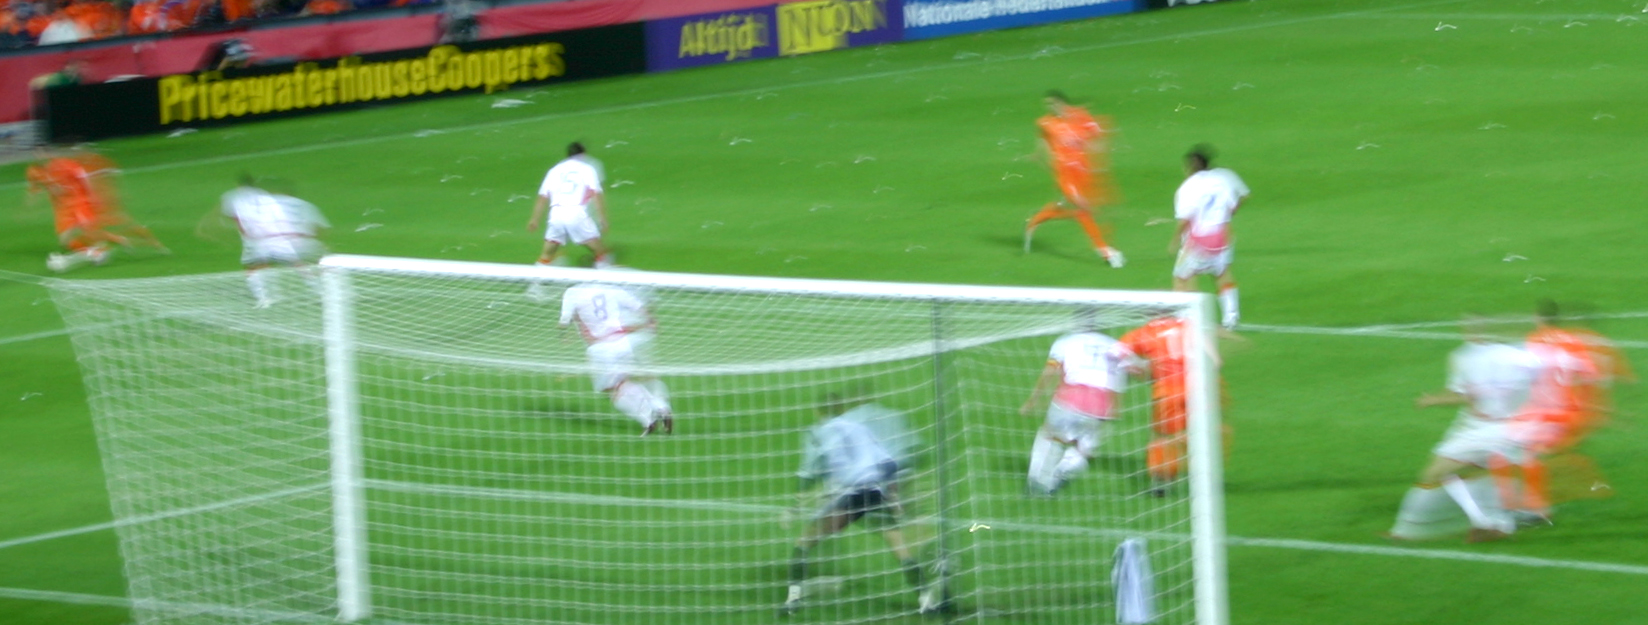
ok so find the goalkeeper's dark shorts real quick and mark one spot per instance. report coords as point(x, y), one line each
point(877, 502)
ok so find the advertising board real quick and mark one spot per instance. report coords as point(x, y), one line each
point(212, 98)
point(926, 19)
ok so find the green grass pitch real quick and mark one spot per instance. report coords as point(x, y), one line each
point(1409, 161)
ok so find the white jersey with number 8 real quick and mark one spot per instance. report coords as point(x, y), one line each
point(603, 312)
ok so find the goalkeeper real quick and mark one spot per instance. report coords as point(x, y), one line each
point(858, 474)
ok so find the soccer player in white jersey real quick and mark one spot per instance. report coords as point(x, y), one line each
point(619, 330)
point(1087, 370)
point(571, 194)
point(1204, 205)
point(276, 230)
point(1490, 382)
point(858, 475)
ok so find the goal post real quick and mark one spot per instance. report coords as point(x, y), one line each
point(419, 441)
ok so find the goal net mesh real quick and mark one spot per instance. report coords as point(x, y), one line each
point(498, 486)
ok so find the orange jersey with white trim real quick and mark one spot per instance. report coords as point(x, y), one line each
point(1162, 342)
point(72, 191)
point(1069, 137)
point(1566, 385)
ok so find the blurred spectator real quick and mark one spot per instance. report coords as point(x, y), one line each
point(227, 54)
point(62, 29)
point(99, 18)
point(458, 22)
point(13, 15)
point(47, 22)
point(73, 73)
point(326, 7)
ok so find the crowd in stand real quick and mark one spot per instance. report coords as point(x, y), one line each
point(47, 22)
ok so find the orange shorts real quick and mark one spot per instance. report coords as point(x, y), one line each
point(1077, 186)
point(81, 215)
point(1169, 413)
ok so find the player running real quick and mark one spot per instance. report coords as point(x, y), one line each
point(1088, 370)
point(570, 192)
point(1075, 143)
point(276, 230)
point(859, 478)
point(1204, 205)
point(1567, 403)
point(89, 219)
point(1491, 382)
point(619, 330)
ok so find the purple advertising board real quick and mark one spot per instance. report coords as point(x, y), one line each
point(786, 29)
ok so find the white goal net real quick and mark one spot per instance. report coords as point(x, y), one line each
point(420, 442)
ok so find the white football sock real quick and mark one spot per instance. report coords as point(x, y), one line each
point(634, 400)
point(1421, 509)
point(1232, 310)
point(604, 261)
point(1461, 495)
point(1043, 455)
point(660, 394)
point(263, 290)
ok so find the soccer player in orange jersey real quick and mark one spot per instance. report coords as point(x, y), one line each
point(1162, 343)
point(88, 215)
point(1564, 405)
point(1075, 145)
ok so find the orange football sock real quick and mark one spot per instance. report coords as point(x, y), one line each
point(1085, 218)
point(1504, 476)
point(1535, 482)
point(1163, 459)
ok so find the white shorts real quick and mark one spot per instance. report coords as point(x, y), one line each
point(1473, 441)
point(614, 360)
point(1074, 427)
point(289, 250)
point(1194, 261)
point(578, 228)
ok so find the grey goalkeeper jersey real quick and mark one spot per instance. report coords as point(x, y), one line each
point(846, 453)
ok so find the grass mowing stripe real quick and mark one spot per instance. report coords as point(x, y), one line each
point(755, 91)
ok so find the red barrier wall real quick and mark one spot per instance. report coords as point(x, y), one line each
point(331, 40)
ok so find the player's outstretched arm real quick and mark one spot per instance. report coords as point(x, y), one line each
point(1443, 398)
point(212, 224)
point(1050, 376)
point(538, 209)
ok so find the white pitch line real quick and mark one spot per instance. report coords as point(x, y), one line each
point(757, 91)
point(64, 597)
point(1437, 554)
point(108, 525)
point(1378, 332)
point(22, 338)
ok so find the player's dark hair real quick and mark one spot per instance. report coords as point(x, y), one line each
point(1200, 156)
point(1058, 95)
point(575, 148)
point(1547, 311)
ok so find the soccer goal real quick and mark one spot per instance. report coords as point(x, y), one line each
point(420, 442)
